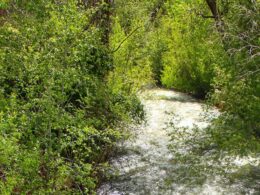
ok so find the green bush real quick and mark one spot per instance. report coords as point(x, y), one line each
point(236, 85)
point(58, 112)
point(190, 62)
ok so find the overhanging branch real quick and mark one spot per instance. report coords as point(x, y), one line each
point(129, 35)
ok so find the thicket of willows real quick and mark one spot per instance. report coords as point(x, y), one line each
point(59, 112)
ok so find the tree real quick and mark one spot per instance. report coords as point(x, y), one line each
point(212, 4)
point(101, 16)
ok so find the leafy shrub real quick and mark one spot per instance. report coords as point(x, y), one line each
point(190, 62)
point(237, 84)
point(58, 113)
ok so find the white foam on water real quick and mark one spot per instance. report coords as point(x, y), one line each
point(144, 168)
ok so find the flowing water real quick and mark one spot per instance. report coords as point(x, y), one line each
point(148, 165)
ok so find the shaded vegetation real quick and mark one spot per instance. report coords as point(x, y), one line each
point(59, 114)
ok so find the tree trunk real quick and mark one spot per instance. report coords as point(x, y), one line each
point(3, 14)
point(102, 17)
point(213, 8)
point(106, 21)
point(212, 4)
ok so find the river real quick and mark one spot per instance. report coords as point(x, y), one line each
point(149, 162)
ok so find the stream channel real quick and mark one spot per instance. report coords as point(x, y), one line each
point(148, 164)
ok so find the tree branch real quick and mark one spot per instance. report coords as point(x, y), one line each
point(203, 16)
point(129, 35)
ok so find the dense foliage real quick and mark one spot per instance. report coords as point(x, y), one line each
point(58, 112)
point(237, 82)
point(218, 57)
point(193, 54)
